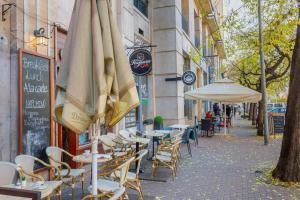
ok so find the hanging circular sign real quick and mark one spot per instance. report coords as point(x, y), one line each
point(141, 62)
point(189, 77)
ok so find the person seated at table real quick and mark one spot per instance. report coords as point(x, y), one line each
point(208, 115)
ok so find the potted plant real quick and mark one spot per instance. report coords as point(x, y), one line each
point(23, 181)
point(158, 123)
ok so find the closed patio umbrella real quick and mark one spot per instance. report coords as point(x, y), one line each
point(95, 82)
point(226, 91)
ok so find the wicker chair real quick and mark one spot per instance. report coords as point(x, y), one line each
point(67, 175)
point(117, 195)
point(26, 162)
point(133, 181)
point(109, 187)
point(167, 157)
point(10, 173)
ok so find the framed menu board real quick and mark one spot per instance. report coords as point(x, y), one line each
point(35, 99)
point(130, 119)
point(278, 124)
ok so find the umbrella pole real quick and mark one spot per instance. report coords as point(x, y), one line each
point(94, 160)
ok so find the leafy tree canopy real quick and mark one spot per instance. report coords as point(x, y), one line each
point(242, 45)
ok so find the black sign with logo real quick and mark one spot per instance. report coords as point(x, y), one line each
point(141, 62)
point(189, 77)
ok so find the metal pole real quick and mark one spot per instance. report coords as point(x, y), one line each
point(140, 110)
point(263, 78)
point(225, 120)
point(94, 160)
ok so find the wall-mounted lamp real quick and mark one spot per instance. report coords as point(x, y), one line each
point(41, 38)
point(210, 16)
point(5, 8)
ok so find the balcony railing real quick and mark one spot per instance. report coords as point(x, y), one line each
point(185, 25)
point(142, 6)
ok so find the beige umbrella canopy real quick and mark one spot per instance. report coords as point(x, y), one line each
point(95, 82)
point(226, 91)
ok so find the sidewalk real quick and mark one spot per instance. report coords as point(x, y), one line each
point(222, 168)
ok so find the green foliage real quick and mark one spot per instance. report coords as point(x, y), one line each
point(158, 120)
point(279, 18)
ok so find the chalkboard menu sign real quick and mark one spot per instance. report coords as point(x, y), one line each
point(278, 124)
point(34, 104)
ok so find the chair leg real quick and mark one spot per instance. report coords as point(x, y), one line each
point(153, 170)
point(141, 195)
point(189, 148)
point(173, 173)
point(60, 193)
point(73, 189)
point(82, 184)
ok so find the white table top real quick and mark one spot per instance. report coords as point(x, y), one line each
point(179, 126)
point(6, 197)
point(138, 139)
point(88, 158)
point(154, 134)
point(164, 131)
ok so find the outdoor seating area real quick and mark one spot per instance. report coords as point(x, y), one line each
point(119, 164)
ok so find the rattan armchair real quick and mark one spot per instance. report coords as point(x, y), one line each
point(118, 194)
point(166, 157)
point(111, 145)
point(10, 173)
point(109, 187)
point(64, 172)
point(133, 181)
point(27, 162)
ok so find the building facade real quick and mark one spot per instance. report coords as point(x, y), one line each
point(173, 29)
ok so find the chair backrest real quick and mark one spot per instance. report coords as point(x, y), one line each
point(112, 135)
point(56, 154)
point(205, 124)
point(132, 130)
point(27, 164)
point(141, 154)
point(124, 170)
point(126, 134)
point(107, 142)
point(185, 137)
point(9, 173)
point(191, 133)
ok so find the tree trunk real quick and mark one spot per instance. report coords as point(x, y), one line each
point(250, 111)
point(288, 167)
point(254, 115)
point(260, 119)
point(244, 109)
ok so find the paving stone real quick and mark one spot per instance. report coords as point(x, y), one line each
point(221, 168)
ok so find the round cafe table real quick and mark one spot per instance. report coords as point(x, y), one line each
point(87, 159)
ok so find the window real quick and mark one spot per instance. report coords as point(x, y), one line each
point(185, 16)
point(188, 104)
point(142, 6)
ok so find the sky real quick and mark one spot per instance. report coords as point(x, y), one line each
point(230, 5)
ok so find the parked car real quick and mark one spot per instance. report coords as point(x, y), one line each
point(278, 110)
point(272, 106)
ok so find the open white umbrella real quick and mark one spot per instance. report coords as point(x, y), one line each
point(95, 83)
point(225, 91)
